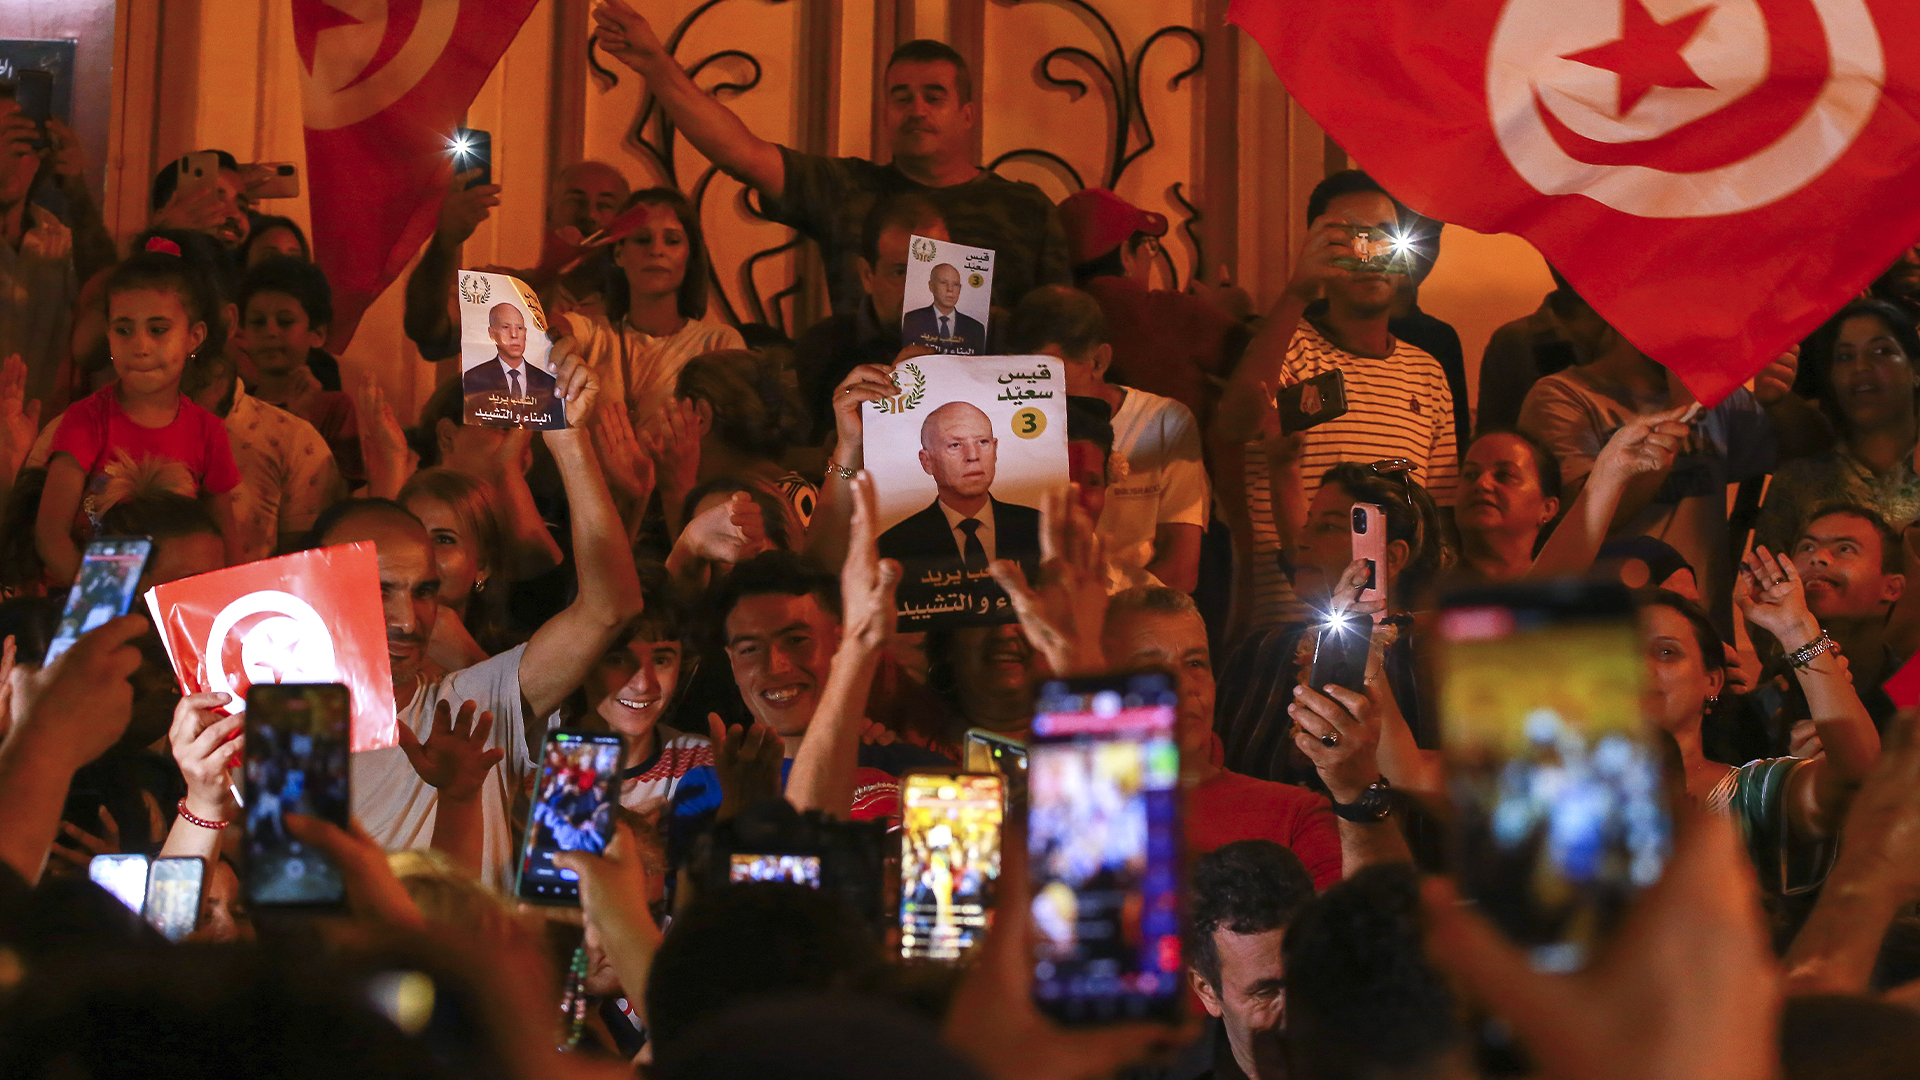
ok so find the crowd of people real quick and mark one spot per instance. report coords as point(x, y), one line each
point(689, 558)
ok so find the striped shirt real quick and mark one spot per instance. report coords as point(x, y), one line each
point(1397, 407)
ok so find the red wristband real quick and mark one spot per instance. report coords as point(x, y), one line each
point(216, 826)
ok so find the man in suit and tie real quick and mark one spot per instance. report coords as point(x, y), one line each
point(500, 384)
point(958, 449)
point(940, 324)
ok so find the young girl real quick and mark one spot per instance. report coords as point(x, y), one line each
point(159, 310)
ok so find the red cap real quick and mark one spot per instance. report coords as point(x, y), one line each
point(1097, 221)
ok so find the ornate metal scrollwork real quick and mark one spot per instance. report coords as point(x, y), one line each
point(1123, 77)
point(658, 147)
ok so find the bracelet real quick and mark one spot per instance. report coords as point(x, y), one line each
point(216, 826)
point(841, 471)
point(1805, 654)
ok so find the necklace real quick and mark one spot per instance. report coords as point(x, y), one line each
point(573, 999)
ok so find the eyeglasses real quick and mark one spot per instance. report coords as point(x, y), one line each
point(1398, 471)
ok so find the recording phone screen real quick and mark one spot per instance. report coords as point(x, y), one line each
point(949, 861)
point(784, 869)
point(103, 591)
point(296, 764)
point(572, 811)
point(173, 895)
point(125, 876)
point(1103, 838)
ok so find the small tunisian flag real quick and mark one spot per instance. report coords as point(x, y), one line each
point(1715, 176)
point(385, 85)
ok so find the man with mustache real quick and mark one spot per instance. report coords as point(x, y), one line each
point(519, 688)
point(930, 116)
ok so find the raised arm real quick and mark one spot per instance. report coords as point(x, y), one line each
point(1645, 446)
point(531, 549)
point(827, 536)
point(711, 127)
point(455, 761)
point(428, 318)
point(202, 745)
point(823, 767)
point(1264, 362)
point(564, 650)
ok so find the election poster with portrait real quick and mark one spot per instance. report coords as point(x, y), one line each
point(949, 296)
point(960, 460)
point(310, 617)
point(505, 377)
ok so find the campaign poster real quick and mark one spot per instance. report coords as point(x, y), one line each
point(949, 295)
point(505, 376)
point(960, 460)
point(309, 617)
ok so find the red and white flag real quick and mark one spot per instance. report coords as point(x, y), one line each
point(1716, 177)
point(385, 83)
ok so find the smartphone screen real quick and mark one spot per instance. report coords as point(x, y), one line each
point(987, 751)
point(296, 763)
point(109, 575)
point(949, 860)
point(125, 876)
point(1560, 810)
point(572, 811)
point(787, 869)
point(1103, 840)
point(473, 149)
point(173, 895)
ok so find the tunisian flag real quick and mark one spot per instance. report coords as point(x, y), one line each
point(385, 83)
point(1716, 177)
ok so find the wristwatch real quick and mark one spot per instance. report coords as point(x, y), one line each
point(1374, 804)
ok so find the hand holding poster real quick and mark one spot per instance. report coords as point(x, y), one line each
point(950, 315)
point(309, 617)
point(504, 373)
point(959, 461)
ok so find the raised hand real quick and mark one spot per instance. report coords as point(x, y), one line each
point(676, 433)
point(630, 472)
point(76, 708)
point(68, 153)
point(626, 35)
point(747, 761)
point(383, 445)
point(1338, 733)
point(867, 581)
point(868, 382)
point(1326, 240)
point(729, 532)
point(1775, 381)
point(1770, 595)
point(76, 846)
point(1064, 613)
point(19, 418)
point(575, 383)
point(373, 892)
point(195, 210)
point(463, 209)
point(206, 745)
point(455, 758)
point(1646, 444)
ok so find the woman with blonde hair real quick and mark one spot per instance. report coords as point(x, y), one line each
point(469, 554)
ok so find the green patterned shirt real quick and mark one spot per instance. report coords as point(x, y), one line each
point(1805, 484)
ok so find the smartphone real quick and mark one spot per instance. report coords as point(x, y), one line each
point(272, 180)
point(198, 171)
point(1560, 813)
point(1103, 842)
point(125, 876)
point(1340, 654)
point(785, 868)
point(473, 149)
point(297, 736)
point(1312, 402)
point(33, 90)
point(173, 895)
point(109, 576)
point(990, 751)
point(572, 811)
point(1370, 543)
point(949, 860)
point(1377, 250)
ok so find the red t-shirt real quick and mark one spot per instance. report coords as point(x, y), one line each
point(95, 431)
point(1233, 807)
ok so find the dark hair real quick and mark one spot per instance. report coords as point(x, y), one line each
point(266, 223)
point(1056, 315)
point(1346, 182)
point(755, 407)
point(160, 515)
point(1892, 552)
point(1713, 650)
point(1362, 999)
point(1111, 264)
point(1546, 466)
point(194, 275)
point(692, 300)
point(925, 51)
point(167, 180)
point(770, 572)
point(1246, 887)
point(1090, 419)
point(1417, 525)
point(773, 511)
point(908, 210)
point(1822, 342)
point(304, 281)
point(332, 516)
point(755, 940)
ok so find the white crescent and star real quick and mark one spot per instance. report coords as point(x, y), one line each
point(337, 87)
point(1621, 72)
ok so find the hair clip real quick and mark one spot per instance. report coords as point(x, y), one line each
point(164, 246)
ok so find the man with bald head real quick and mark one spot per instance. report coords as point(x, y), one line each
point(397, 799)
point(507, 384)
point(941, 324)
point(958, 449)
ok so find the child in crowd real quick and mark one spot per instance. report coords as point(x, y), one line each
point(160, 309)
point(285, 309)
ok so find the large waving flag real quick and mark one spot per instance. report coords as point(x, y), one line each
point(385, 84)
point(1715, 176)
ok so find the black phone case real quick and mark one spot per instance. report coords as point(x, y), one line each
point(1312, 402)
point(1340, 656)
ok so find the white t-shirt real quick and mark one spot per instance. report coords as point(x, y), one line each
point(1165, 481)
point(397, 807)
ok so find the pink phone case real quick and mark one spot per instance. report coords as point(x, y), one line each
point(1369, 528)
